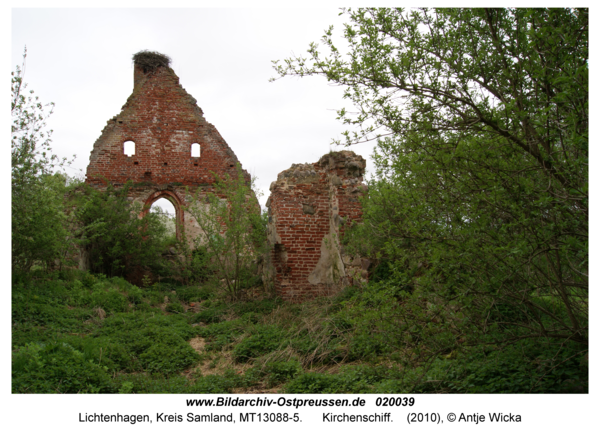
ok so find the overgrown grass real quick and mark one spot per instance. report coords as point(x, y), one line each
point(80, 333)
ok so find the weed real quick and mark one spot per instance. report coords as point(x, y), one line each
point(56, 368)
point(264, 339)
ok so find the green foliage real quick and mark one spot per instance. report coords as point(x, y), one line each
point(158, 384)
point(264, 339)
point(233, 233)
point(63, 343)
point(111, 301)
point(193, 293)
point(116, 240)
point(214, 384)
point(350, 380)
point(56, 368)
point(221, 334)
point(134, 294)
point(278, 372)
point(39, 221)
point(155, 343)
point(168, 358)
point(263, 306)
point(479, 205)
point(522, 368)
point(174, 307)
point(214, 313)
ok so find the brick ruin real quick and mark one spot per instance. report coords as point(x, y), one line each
point(175, 150)
point(161, 142)
point(310, 207)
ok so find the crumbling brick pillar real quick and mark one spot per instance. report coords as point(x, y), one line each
point(310, 207)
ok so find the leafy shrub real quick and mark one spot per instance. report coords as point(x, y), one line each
point(56, 368)
point(364, 346)
point(58, 318)
point(112, 356)
point(175, 307)
point(134, 294)
point(144, 307)
point(214, 384)
point(121, 284)
point(278, 372)
point(264, 306)
point(88, 280)
point(345, 294)
point(111, 301)
point(222, 334)
point(352, 379)
point(194, 294)
point(263, 340)
point(157, 343)
point(213, 314)
point(313, 383)
point(155, 383)
point(168, 358)
point(122, 324)
point(152, 384)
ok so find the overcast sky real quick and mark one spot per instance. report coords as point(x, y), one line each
point(80, 59)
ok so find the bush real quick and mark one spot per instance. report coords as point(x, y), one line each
point(157, 343)
point(193, 294)
point(56, 368)
point(278, 372)
point(168, 358)
point(263, 340)
point(175, 307)
point(213, 384)
point(213, 314)
point(314, 383)
point(111, 301)
point(134, 294)
point(151, 384)
point(222, 334)
point(263, 306)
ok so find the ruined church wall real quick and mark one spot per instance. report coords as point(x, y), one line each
point(309, 208)
point(163, 121)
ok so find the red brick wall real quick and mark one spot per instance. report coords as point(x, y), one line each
point(163, 121)
point(309, 209)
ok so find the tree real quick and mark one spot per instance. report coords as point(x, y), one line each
point(232, 232)
point(481, 190)
point(37, 212)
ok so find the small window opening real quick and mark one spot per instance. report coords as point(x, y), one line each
point(231, 165)
point(135, 163)
point(129, 148)
point(165, 164)
point(195, 164)
point(196, 150)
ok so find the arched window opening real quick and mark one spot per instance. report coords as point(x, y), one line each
point(196, 150)
point(167, 215)
point(168, 207)
point(129, 148)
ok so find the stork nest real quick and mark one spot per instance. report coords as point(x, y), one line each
point(150, 60)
